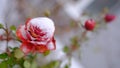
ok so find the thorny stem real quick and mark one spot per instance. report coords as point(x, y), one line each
point(83, 35)
point(80, 40)
point(7, 38)
point(69, 61)
point(71, 51)
point(80, 24)
point(69, 55)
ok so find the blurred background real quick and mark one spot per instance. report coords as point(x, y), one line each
point(102, 50)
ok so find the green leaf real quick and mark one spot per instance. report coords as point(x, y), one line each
point(34, 65)
point(72, 23)
point(46, 53)
point(66, 66)
point(1, 26)
point(21, 62)
point(3, 65)
point(66, 49)
point(3, 56)
point(13, 49)
point(56, 64)
point(18, 54)
point(10, 60)
point(53, 64)
point(47, 13)
point(27, 64)
point(74, 41)
point(13, 28)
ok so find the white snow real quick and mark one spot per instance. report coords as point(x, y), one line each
point(45, 24)
point(50, 46)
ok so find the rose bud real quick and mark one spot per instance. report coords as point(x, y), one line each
point(37, 35)
point(90, 25)
point(109, 17)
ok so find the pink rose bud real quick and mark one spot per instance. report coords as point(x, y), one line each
point(109, 17)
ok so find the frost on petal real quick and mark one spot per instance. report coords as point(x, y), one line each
point(39, 42)
point(52, 44)
point(21, 34)
point(27, 47)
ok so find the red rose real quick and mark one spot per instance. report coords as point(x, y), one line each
point(37, 35)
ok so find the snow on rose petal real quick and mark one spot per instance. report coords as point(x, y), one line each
point(37, 34)
point(21, 34)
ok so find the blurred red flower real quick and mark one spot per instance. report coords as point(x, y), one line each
point(109, 17)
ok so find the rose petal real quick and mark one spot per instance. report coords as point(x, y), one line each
point(41, 48)
point(39, 42)
point(52, 44)
point(21, 34)
point(27, 47)
point(27, 21)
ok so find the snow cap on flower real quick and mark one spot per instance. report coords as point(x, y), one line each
point(41, 28)
point(45, 24)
